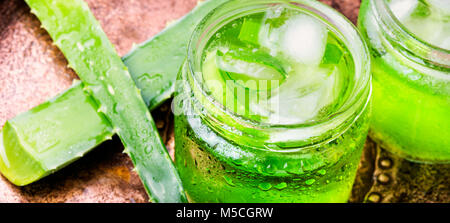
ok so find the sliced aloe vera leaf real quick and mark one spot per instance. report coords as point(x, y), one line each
point(235, 83)
point(37, 142)
point(71, 25)
point(27, 169)
point(250, 70)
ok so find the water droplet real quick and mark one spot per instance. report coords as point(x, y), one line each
point(111, 90)
point(228, 180)
point(310, 181)
point(147, 79)
point(89, 43)
point(144, 133)
point(159, 124)
point(102, 109)
point(117, 108)
point(385, 163)
point(322, 172)
point(374, 197)
point(415, 76)
point(80, 46)
point(148, 150)
point(270, 168)
point(383, 179)
point(265, 186)
point(281, 186)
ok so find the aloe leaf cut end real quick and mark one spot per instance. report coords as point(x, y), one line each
point(37, 143)
point(16, 164)
point(71, 25)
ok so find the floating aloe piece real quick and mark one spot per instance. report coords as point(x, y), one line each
point(333, 54)
point(250, 31)
point(89, 52)
point(16, 138)
point(241, 66)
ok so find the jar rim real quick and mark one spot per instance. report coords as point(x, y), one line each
point(341, 26)
point(425, 52)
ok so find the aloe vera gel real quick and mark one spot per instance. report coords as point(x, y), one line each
point(410, 46)
point(272, 104)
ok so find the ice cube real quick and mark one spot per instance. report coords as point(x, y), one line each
point(403, 8)
point(302, 97)
point(274, 12)
point(269, 38)
point(304, 39)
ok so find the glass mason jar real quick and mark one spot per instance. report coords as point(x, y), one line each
point(411, 79)
point(226, 155)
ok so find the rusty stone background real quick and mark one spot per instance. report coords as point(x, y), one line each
point(33, 70)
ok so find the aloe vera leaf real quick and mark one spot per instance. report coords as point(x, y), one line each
point(79, 36)
point(155, 73)
point(23, 172)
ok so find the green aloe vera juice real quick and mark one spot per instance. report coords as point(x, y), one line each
point(272, 104)
point(410, 46)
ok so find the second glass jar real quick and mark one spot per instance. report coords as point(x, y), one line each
point(411, 76)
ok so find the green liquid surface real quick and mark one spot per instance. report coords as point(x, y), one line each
point(280, 66)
